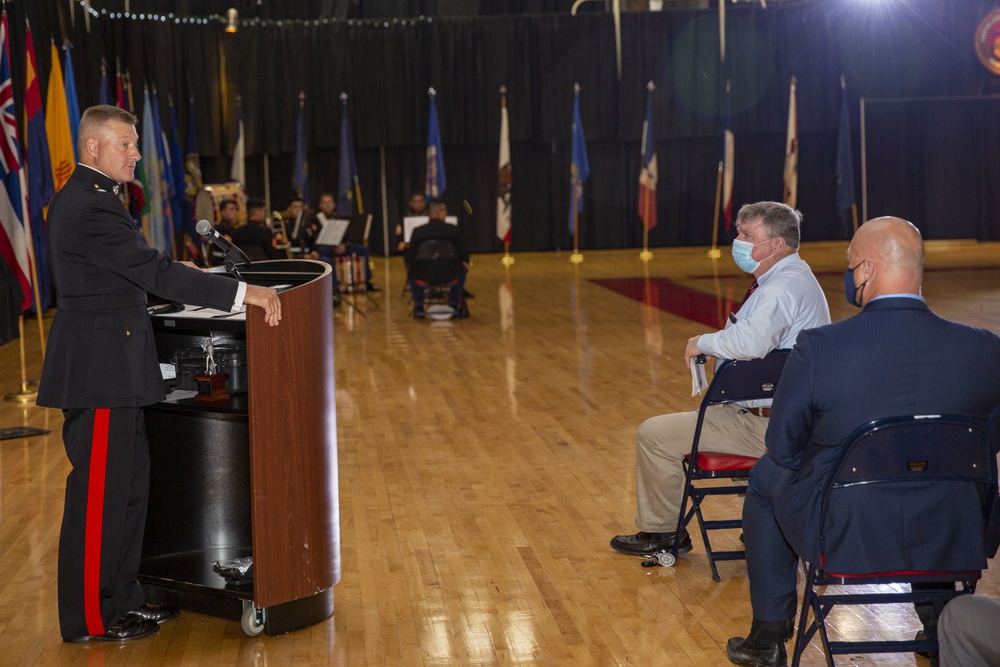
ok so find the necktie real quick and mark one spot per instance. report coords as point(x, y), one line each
point(750, 290)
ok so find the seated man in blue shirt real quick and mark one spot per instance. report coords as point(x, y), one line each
point(783, 299)
point(437, 228)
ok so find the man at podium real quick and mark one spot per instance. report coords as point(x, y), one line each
point(101, 369)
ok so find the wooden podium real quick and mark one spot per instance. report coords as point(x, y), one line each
point(255, 474)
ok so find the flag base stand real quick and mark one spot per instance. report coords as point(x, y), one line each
point(23, 395)
point(576, 258)
point(645, 255)
point(507, 260)
point(714, 253)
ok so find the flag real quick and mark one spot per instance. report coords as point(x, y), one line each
point(792, 151)
point(648, 174)
point(72, 104)
point(61, 154)
point(238, 171)
point(39, 169)
point(105, 96)
point(192, 162)
point(136, 189)
point(120, 90)
point(579, 169)
point(348, 185)
point(177, 175)
point(166, 175)
point(13, 238)
point(435, 182)
point(727, 164)
point(300, 168)
point(149, 174)
point(504, 175)
point(845, 159)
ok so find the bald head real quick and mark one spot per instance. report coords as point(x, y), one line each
point(887, 255)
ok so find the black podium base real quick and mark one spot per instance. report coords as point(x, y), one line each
point(188, 581)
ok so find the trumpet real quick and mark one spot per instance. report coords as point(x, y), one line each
point(279, 235)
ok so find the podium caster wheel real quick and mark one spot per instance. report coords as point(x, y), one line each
point(253, 619)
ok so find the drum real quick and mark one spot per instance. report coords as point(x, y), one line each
point(210, 197)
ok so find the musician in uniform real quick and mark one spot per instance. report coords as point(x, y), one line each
point(255, 238)
point(101, 370)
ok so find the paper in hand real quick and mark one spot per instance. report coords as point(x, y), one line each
point(698, 382)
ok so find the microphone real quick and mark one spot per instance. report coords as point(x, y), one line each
point(232, 253)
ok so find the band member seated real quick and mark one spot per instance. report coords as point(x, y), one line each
point(416, 206)
point(228, 212)
point(255, 238)
point(348, 246)
point(437, 228)
point(302, 229)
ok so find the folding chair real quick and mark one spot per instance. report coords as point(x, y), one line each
point(909, 503)
point(436, 268)
point(734, 380)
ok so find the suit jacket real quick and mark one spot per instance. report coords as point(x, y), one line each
point(436, 229)
point(895, 358)
point(101, 351)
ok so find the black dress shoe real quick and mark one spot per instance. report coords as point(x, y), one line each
point(372, 287)
point(745, 652)
point(126, 629)
point(336, 300)
point(159, 614)
point(467, 294)
point(647, 544)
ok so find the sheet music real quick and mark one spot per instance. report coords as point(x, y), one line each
point(332, 233)
point(202, 313)
point(411, 222)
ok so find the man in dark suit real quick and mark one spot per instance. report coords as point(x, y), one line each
point(437, 228)
point(894, 358)
point(101, 369)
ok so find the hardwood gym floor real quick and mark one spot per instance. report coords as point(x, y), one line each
point(484, 465)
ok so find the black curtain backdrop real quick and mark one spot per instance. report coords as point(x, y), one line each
point(927, 160)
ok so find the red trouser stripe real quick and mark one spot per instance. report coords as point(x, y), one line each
point(95, 523)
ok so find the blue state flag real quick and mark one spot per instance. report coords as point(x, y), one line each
point(151, 175)
point(579, 169)
point(348, 186)
point(300, 169)
point(40, 184)
point(166, 176)
point(845, 158)
point(72, 102)
point(435, 182)
point(105, 94)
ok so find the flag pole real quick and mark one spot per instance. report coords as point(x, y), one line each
point(25, 394)
point(507, 260)
point(645, 255)
point(714, 252)
point(356, 185)
point(576, 257)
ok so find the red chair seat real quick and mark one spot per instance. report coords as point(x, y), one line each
point(714, 462)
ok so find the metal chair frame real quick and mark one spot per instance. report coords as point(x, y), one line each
point(735, 380)
point(968, 456)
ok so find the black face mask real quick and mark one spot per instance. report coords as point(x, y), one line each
point(852, 293)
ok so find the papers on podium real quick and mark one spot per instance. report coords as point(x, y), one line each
point(411, 222)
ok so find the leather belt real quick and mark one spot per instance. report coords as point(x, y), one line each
point(760, 412)
point(101, 301)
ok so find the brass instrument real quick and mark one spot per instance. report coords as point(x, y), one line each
point(279, 235)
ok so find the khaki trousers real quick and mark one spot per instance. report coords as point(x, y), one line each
point(662, 442)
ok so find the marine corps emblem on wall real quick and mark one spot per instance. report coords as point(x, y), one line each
point(988, 41)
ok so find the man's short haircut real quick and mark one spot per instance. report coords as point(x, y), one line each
point(434, 204)
point(776, 218)
point(296, 198)
point(228, 202)
point(328, 194)
point(255, 204)
point(99, 115)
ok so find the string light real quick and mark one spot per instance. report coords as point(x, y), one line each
point(257, 21)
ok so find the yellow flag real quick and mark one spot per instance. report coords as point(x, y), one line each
point(57, 125)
